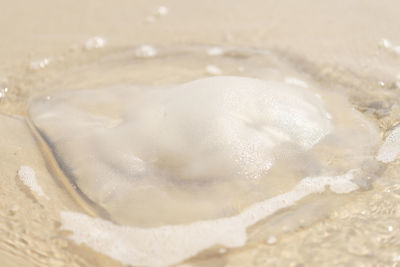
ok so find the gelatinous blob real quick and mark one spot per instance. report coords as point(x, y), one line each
point(199, 151)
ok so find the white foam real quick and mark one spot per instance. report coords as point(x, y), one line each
point(27, 175)
point(39, 64)
point(146, 51)
point(296, 82)
point(215, 51)
point(272, 240)
point(213, 70)
point(390, 149)
point(3, 91)
point(396, 258)
point(95, 42)
point(162, 11)
point(169, 245)
point(386, 44)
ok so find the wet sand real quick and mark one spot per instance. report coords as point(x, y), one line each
point(337, 44)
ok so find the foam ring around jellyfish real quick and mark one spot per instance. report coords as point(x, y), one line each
point(171, 164)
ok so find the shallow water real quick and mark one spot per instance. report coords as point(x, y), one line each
point(361, 227)
point(84, 128)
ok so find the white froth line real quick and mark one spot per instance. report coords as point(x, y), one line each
point(390, 149)
point(27, 175)
point(169, 245)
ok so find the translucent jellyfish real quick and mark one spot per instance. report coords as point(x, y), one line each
point(228, 150)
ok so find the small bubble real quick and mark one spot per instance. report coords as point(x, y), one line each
point(390, 47)
point(3, 92)
point(385, 43)
point(222, 250)
point(381, 83)
point(95, 42)
point(40, 64)
point(162, 10)
point(213, 70)
point(146, 51)
point(272, 240)
point(15, 208)
point(159, 12)
point(215, 51)
point(390, 228)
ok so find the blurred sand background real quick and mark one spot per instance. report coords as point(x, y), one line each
point(334, 30)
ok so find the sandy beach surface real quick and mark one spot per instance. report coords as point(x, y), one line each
point(353, 46)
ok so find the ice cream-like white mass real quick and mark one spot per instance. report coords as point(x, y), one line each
point(216, 153)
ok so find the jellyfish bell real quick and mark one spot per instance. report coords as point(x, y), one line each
point(203, 150)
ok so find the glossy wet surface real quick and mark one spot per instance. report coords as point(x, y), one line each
point(341, 56)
